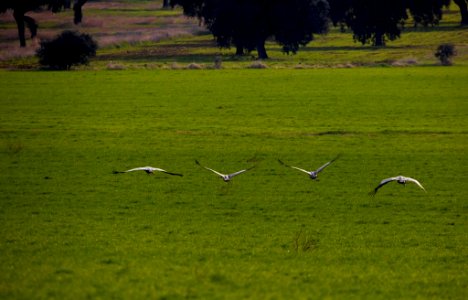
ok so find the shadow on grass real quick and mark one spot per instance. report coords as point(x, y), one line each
point(358, 47)
point(445, 27)
point(188, 51)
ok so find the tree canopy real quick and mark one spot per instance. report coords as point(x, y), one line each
point(247, 24)
point(376, 21)
point(21, 7)
point(463, 5)
point(427, 12)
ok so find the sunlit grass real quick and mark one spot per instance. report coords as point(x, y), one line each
point(72, 229)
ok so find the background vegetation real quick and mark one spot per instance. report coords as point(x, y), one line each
point(139, 34)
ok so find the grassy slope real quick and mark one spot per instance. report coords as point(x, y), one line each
point(138, 34)
point(72, 229)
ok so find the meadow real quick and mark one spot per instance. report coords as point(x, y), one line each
point(72, 229)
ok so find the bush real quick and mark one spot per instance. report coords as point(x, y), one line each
point(67, 49)
point(444, 53)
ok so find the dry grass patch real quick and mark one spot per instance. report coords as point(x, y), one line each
point(258, 65)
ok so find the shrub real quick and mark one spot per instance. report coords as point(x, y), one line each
point(67, 49)
point(444, 53)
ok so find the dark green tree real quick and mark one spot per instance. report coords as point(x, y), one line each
point(21, 7)
point(378, 21)
point(427, 12)
point(371, 21)
point(247, 24)
point(78, 12)
point(67, 49)
point(463, 5)
point(166, 4)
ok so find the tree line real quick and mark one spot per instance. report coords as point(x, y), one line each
point(248, 24)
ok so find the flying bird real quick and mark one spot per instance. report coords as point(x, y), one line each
point(399, 179)
point(225, 177)
point(312, 174)
point(149, 170)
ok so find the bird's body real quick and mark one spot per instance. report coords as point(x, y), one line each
point(399, 179)
point(225, 177)
point(149, 170)
point(312, 174)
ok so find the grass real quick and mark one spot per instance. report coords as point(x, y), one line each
point(72, 229)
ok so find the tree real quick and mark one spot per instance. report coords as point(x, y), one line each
point(166, 4)
point(463, 5)
point(67, 49)
point(427, 12)
point(247, 24)
point(77, 9)
point(377, 21)
point(21, 7)
point(371, 21)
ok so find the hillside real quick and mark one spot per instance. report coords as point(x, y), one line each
point(139, 34)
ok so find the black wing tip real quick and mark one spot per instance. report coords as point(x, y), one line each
point(117, 172)
point(251, 167)
point(336, 157)
point(374, 191)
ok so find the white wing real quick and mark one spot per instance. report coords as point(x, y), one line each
point(326, 165)
point(382, 183)
point(387, 180)
point(148, 169)
point(323, 167)
point(167, 172)
point(239, 172)
point(138, 169)
point(416, 182)
point(305, 171)
point(216, 172)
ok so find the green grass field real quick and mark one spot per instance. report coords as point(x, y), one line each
point(70, 229)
